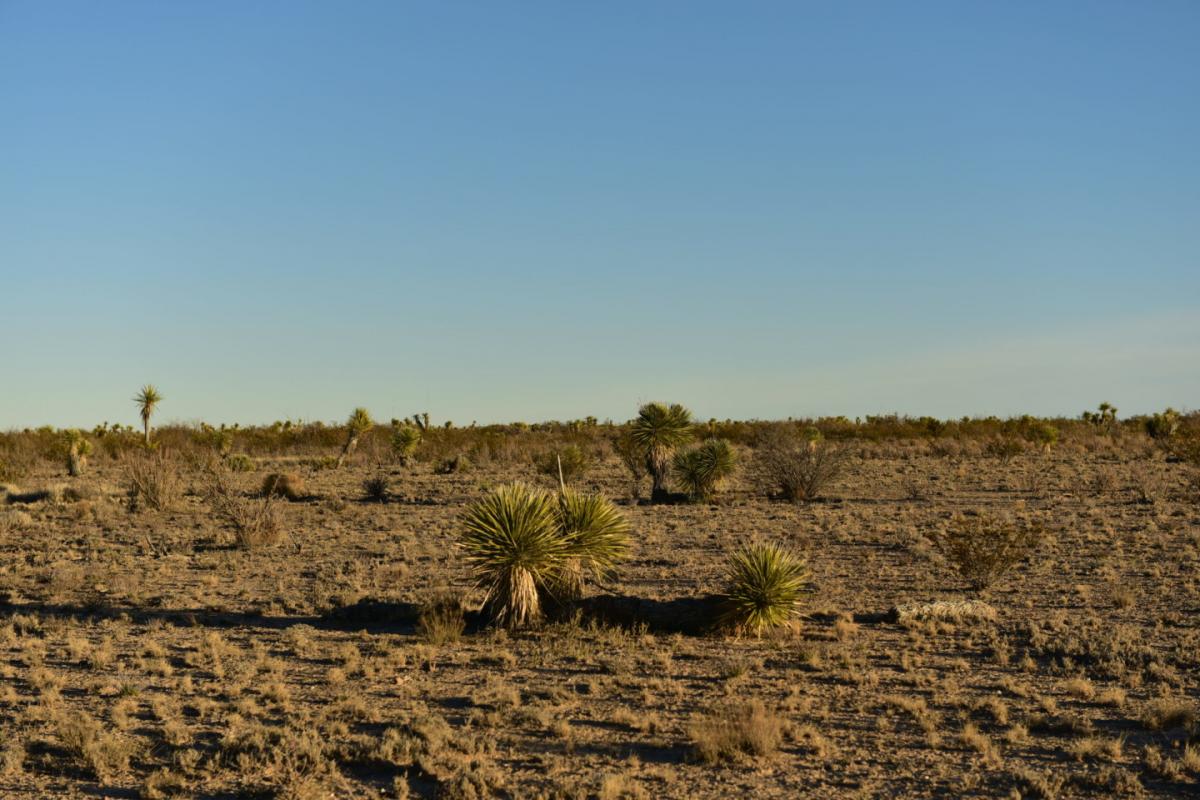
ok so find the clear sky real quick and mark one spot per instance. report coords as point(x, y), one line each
point(539, 210)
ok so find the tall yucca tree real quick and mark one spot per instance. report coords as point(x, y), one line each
point(358, 423)
point(657, 431)
point(147, 401)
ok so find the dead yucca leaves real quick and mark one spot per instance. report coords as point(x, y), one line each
point(984, 546)
point(525, 545)
point(256, 522)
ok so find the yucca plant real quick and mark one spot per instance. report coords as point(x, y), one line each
point(516, 549)
point(766, 584)
point(702, 469)
point(147, 401)
point(527, 547)
point(597, 537)
point(404, 441)
point(78, 448)
point(357, 424)
point(658, 430)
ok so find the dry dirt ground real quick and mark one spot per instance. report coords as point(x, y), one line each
point(142, 656)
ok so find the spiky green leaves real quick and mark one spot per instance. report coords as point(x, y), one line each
point(404, 441)
point(766, 584)
point(702, 469)
point(524, 545)
point(359, 422)
point(657, 431)
point(147, 401)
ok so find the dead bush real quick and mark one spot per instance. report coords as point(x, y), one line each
point(153, 479)
point(255, 522)
point(983, 546)
point(795, 470)
point(288, 485)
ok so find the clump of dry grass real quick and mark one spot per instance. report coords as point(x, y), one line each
point(1166, 713)
point(103, 754)
point(441, 619)
point(153, 479)
point(288, 485)
point(735, 730)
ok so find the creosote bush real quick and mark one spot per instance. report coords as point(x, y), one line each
point(525, 545)
point(702, 469)
point(983, 547)
point(766, 583)
point(795, 469)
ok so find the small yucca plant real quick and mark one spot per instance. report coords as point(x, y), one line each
point(766, 584)
point(357, 424)
point(703, 469)
point(404, 441)
point(657, 431)
point(527, 546)
point(147, 401)
point(597, 537)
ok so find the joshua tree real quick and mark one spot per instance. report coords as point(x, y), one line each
point(359, 423)
point(657, 431)
point(147, 399)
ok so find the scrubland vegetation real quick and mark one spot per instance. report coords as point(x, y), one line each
point(802, 608)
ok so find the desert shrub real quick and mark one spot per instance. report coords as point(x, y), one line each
point(103, 754)
point(404, 441)
point(657, 431)
point(1162, 425)
point(1004, 448)
point(795, 470)
point(239, 462)
point(218, 440)
point(288, 485)
point(524, 545)
point(441, 619)
point(575, 462)
point(255, 522)
point(77, 448)
point(983, 547)
point(766, 583)
point(153, 479)
point(375, 488)
point(735, 730)
point(702, 469)
point(450, 466)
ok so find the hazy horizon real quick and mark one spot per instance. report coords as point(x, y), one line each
point(277, 211)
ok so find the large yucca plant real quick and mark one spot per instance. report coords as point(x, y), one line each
point(766, 585)
point(657, 431)
point(358, 423)
point(702, 469)
point(526, 546)
point(404, 441)
point(147, 401)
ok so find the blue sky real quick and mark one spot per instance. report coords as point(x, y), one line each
point(497, 211)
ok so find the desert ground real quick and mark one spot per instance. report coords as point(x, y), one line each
point(149, 653)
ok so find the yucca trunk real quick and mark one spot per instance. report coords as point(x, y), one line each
point(658, 464)
point(146, 427)
point(349, 447)
point(76, 462)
